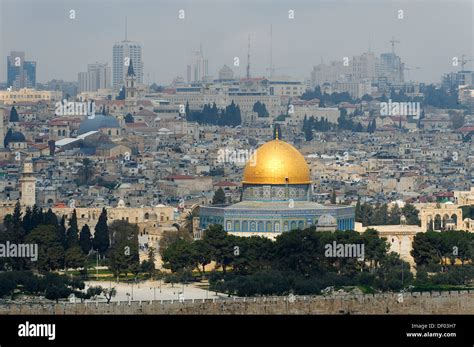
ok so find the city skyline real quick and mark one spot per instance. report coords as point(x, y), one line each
point(169, 42)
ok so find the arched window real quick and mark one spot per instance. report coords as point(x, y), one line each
point(245, 226)
point(269, 226)
point(260, 226)
point(236, 225)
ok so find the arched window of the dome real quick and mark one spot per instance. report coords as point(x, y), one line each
point(260, 226)
point(245, 226)
point(236, 225)
point(269, 227)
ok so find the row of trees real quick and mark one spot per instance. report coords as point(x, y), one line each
point(381, 214)
point(59, 246)
point(326, 99)
point(433, 96)
point(444, 258)
point(294, 262)
point(52, 286)
point(229, 116)
point(323, 125)
point(261, 109)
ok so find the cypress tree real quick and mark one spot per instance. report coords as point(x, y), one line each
point(72, 233)
point(62, 231)
point(101, 240)
point(85, 239)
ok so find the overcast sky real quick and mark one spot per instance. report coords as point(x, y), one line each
point(431, 34)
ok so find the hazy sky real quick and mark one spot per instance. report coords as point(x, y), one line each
point(431, 34)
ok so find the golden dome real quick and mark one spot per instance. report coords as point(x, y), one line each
point(276, 162)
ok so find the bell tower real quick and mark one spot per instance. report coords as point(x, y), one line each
point(130, 88)
point(28, 185)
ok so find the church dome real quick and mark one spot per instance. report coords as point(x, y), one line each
point(98, 122)
point(276, 162)
point(17, 137)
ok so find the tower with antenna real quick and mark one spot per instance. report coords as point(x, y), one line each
point(271, 52)
point(122, 53)
point(393, 42)
point(248, 58)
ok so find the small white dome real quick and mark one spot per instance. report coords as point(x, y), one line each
point(326, 220)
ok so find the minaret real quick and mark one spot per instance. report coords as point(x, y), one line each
point(2, 129)
point(28, 185)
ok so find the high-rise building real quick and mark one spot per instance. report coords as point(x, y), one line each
point(20, 73)
point(124, 52)
point(392, 67)
point(226, 73)
point(199, 68)
point(97, 77)
point(456, 79)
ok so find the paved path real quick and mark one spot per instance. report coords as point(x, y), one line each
point(150, 290)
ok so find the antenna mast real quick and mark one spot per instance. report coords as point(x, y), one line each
point(125, 28)
point(248, 59)
point(271, 50)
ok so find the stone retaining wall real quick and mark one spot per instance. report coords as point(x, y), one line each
point(453, 302)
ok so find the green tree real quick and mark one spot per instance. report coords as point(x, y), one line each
point(86, 171)
point(123, 253)
point(62, 231)
point(85, 239)
point(358, 211)
point(179, 256)
point(14, 115)
point(219, 197)
point(411, 214)
point(101, 240)
point(220, 245)
point(395, 214)
point(171, 236)
point(375, 248)
point(74, 258)
point(72, 232)
point(203, 255)
point(109, 293)
point(50, 250)
point(148, 265)
point(380, 215)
